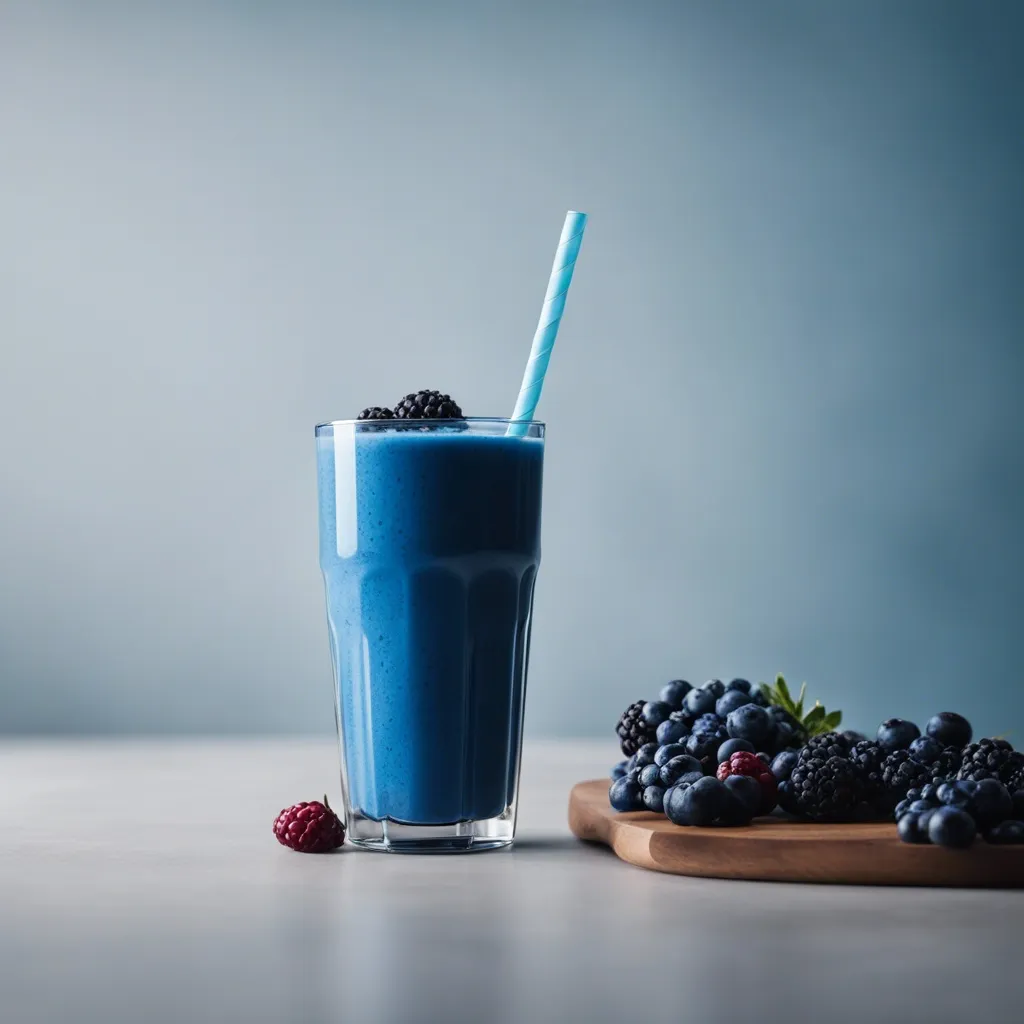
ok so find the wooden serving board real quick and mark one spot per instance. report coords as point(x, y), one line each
point(777, 850)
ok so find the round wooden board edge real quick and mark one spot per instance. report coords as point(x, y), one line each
point(857, 854)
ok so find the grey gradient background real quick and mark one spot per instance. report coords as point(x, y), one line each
point(784, 412)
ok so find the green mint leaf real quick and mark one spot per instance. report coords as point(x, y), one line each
point(814, 720)
point(783, 689)
point(831, 720)
point(800, 701)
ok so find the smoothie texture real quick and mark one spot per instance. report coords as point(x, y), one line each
point(429, 548)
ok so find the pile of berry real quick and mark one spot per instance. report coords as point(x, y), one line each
point(723, 753)
point(417, 405)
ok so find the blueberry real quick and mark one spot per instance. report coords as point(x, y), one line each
point(968, 786)
point(701, 803)
point(654, 799)
point(916, 806)
point(645, 755)
point(673, 806)
point(730, 747)
point(708, 722)
point(633, 774)
point(763, 755)
point(749, 722)
point(666, 753)
point(785, 736)
point(730, 701)
point(914, 794)
point(747, 790)
point(909, 829)
point(630, 763)
point(784, 763)
point(950, 795)
point(991, 803)
point(619, 770)
point(759, 697)
point(699, 702)
point(949, 729)
point(1006, 832)
point(703, 745)
point(787, 801)
point(654, 712)
point(896, 734)
point(649, 776)
point(672, 731)
point(924, 749)
point(674, 770)
point(901, 808)
point(626, 795)
point(738, 684)
point(674, 692)
point(930, 792)
point(949, 826)
point(715, 686)
point(691, 777)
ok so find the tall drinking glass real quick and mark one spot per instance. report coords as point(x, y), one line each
point(429, 547)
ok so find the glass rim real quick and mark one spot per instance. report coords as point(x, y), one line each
point(497, 420)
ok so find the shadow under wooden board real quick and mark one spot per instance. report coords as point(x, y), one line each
point(777, 850)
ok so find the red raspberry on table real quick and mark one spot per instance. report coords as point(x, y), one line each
point(744, 763)
point(309, 827)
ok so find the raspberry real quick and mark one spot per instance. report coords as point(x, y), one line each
point(743, 763)
point(309, 827)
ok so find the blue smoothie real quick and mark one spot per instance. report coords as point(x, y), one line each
point(429, 546)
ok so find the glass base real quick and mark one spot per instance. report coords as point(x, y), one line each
point(460, 837)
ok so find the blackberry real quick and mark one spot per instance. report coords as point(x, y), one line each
point(427, 405)
point(867, 757)
point(825, 789)
point(826, 745)
point(947, 764)
point(633, 731)
point(376, 412)
point(900, 773)
point(990, 759)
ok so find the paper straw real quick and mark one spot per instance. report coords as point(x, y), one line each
point(550, 317)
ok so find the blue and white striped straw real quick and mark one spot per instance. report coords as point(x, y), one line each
point(550, 318)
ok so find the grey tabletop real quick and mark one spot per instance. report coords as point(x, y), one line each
point(139, 881)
